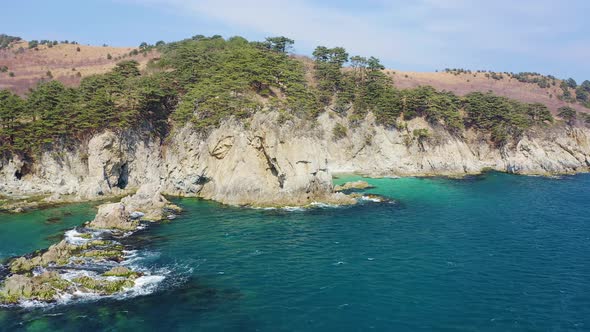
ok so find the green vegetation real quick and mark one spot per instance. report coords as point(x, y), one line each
point(6, 40)
point(568, 114)
point(53, 113)
point(223, 78)
point(203, 80)
point(279, 44)
point(502, 117)
point(339, 132)
point(103, 286)
point(535, 78)
point(421, 133)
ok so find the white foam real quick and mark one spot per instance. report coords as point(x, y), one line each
point(371, 199)
point(323, 205)
point(74, 237)
point(293, 208)
point(144, 285)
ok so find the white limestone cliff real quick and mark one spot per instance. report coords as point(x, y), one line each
point(267, 163)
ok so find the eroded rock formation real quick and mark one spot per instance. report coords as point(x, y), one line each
point(265, 162)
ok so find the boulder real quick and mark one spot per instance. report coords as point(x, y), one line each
point(149, 201)
point(113, 216)
point(43, 287)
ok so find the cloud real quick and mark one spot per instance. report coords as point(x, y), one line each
point(426, 34)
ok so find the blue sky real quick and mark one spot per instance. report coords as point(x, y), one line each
point(551, 37)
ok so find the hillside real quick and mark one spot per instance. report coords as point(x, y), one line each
point(464, 83)
point(246, 123)
point(67, 63)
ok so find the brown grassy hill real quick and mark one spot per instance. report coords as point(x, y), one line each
point(69, 66)
point(464, 83)
point(64, 61)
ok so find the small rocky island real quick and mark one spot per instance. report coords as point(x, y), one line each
point(90, 261)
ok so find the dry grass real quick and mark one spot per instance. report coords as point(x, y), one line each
point(63, 61)
point(463, 84)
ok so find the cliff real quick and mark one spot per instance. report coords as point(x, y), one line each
point(264, 162)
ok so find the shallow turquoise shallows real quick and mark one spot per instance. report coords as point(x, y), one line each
point(488, 253)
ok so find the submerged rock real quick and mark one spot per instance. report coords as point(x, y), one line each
point(103, 286)
point(353, 185)
point(121, 271)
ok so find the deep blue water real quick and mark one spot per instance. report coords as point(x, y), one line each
point(487, 253)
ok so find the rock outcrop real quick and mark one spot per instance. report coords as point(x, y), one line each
point(352, 185)
point(147, 204)
point(113, 216)
point(270, 163)
point(88, 259)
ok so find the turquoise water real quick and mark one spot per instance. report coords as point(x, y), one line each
point(23, 233)
point(487, 253)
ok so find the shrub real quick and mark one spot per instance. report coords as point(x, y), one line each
point(421, 133)
point(339, 131)
point(568, 114)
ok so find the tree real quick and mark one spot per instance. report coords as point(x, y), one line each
point(374, 64)
point(582, 95)
point(358, 62)
point(279, 44)
point(568, 114)
point(11, 107)
point(328, 65)
point(6, 40)
point(33, 44)
point(571, 83)
point(539, 113)
point(126, 69)
point(143, 46)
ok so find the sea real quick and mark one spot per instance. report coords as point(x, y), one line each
point(492, 252)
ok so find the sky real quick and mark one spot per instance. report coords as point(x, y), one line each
point(546, 36)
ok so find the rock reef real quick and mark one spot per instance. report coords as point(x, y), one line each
point(89, 260)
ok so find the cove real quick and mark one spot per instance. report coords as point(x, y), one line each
point(493, 252)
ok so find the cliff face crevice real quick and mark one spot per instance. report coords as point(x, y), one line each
point(271, 164)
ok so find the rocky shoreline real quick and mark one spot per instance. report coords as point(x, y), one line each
point(90, 261)
point(268, 162)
